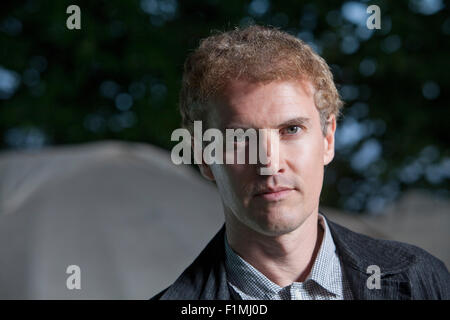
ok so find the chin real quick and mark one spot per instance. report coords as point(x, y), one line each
point(276, 222)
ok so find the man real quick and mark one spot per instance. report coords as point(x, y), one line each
point(275, 243)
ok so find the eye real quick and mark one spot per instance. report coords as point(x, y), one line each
point(291, 130)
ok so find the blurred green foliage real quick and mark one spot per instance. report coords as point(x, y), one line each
point(119, 76)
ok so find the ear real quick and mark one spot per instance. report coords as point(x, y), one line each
point(328, 140)
point(205, 169)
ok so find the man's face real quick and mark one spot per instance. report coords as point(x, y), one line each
point(279, 202)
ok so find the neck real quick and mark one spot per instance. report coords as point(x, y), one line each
point(283, 258)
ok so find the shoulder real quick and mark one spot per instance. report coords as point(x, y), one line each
point(424, 271)
point(396, 252)
point(203, 278)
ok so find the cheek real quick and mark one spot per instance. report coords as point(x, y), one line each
point(228, 180)
point(306, 160)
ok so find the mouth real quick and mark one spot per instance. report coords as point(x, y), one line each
point(274, 194)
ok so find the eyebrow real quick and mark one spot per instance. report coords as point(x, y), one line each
point(299, 121)
point(295, 122)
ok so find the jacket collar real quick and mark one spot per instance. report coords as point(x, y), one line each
point(205, 278)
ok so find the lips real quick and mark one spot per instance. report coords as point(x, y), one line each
point(274, 194)
point(273, 190)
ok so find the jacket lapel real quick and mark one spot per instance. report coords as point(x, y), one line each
point(389, 289)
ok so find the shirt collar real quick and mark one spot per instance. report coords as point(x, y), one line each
point(326, 269)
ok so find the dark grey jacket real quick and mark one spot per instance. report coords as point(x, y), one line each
point(407, 272)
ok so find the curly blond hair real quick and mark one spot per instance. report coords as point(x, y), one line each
point(255, 54)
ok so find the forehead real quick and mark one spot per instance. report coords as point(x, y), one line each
point(258, 105)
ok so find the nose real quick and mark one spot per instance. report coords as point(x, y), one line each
point(268, 152)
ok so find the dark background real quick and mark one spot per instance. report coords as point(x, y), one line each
point(119, 77)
